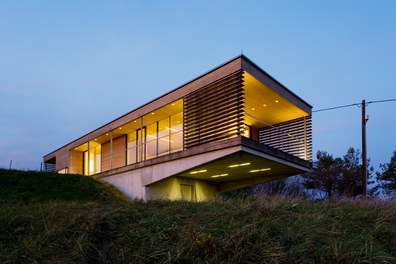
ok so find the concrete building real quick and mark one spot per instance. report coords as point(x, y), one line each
point(231, 127)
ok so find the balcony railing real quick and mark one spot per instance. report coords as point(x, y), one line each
point(48, 167)
point(293, 137)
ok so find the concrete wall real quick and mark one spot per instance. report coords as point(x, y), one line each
point(156, 181)
point(171, 189)
point(130, 183)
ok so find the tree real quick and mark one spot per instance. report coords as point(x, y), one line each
point(338, 177)
point(350, 184)
point(387, 176)
point(323, 177)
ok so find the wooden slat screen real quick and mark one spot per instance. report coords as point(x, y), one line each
point(214, 112)
point(293, 137)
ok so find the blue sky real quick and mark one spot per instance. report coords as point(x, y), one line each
point(68, 67)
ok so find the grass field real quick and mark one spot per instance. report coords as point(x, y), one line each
point(51, 218)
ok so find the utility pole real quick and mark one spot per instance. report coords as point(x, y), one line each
point(364, 150)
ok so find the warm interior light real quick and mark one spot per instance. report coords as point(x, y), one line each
point(96, 139)
point(276, 101)
point(239, 165)
point(152, 113)
point(107, 134)
point(253, 108)
point(258, 170)
point(172, 129)
point(173, 104)
point(264, 105)
point(199, 171)
point(219, 175)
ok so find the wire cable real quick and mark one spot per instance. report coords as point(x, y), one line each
point(355, 104)
point(335, 107)
point(381, 101)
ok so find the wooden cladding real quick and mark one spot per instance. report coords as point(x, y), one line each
point(118, 155)
point(215, 111)
point(76, 162)
point(293, 137)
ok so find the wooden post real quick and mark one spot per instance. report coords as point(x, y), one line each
point(364, 151)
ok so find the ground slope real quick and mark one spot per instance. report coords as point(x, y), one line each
point(255, 230)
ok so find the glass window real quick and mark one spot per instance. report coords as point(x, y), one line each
point(132, 153)
point(85, 163)
point(176, 129)
point(163, 137)
point(157, 133)
point(246, 131)
point(151, 141)
point(141, 144)
point(94, 158)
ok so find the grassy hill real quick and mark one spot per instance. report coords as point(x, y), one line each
point(51, 218)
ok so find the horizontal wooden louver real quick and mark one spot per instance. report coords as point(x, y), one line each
point(293, 137)
point(214, 112)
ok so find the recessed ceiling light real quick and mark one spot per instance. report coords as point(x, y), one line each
point(239, 165)
point(253, 108)
point(120, 128)
point(152, 113)
point(173, 104)
point(276, 101)
point(198, 171)
point(264, 105)
point(258, 170)
point(96, 139)
point(219, 175)
point(107, 134)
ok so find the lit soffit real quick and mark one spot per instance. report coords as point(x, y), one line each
point(239, 166)
point(266, 105)
point(82, 147)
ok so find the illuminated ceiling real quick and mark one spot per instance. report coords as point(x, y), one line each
point(240, 166)
point(163, 112)
point(266, 105)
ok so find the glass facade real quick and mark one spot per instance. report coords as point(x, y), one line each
point(155, 134)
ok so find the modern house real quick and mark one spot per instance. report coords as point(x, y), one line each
point(231, 127)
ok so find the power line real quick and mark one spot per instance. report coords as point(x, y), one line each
point(335, 107)
point(381, 101)
point(363, 105)
point(355, 104)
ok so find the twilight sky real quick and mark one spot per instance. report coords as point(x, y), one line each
point(68, 67)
